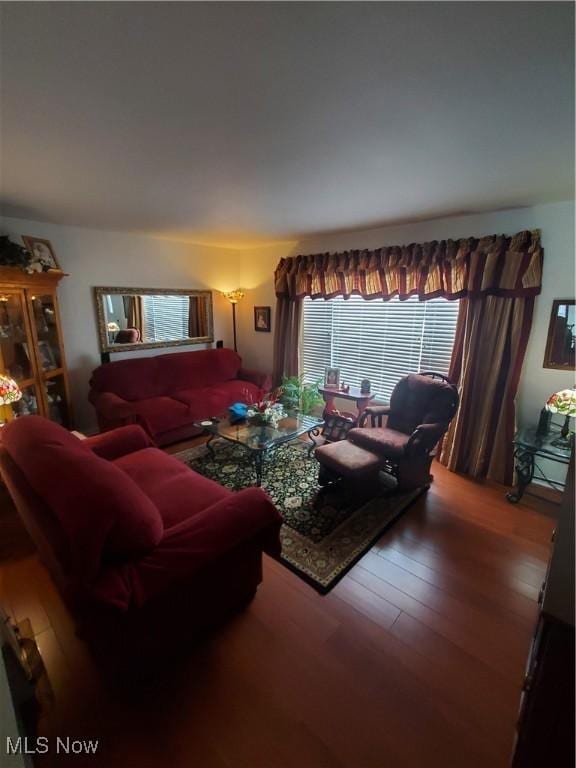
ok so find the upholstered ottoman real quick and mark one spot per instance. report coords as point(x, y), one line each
point(344, 459)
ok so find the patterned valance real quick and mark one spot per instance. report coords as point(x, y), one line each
point(497, 265)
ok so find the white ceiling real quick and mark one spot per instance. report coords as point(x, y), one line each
point(239, 122)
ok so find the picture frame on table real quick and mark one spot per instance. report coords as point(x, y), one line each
point(332, 378)
point(262, 319)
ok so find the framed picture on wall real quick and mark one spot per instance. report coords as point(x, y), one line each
point(42, 253)
point(262, 319)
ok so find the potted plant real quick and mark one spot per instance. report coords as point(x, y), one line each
point(299, 396)
point(12, 254)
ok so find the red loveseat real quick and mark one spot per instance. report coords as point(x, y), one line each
point(143, 549)
point(166, 394)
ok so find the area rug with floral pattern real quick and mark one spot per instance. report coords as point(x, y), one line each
point(322, 537)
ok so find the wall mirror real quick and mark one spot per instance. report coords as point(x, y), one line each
point(560, 343)
point(146, 318)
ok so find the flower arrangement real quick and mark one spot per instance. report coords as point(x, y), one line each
point(267, 411)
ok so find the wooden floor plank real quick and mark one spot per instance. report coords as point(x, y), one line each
point(459, 581)
point(496, 654)
point(481, 621)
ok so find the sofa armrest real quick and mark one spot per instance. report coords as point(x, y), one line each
point(119, 442)
point(111, 406)
point(424, 438)
point(191, 545)
point(262, 380)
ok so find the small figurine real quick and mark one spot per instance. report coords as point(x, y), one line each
point(365, 386)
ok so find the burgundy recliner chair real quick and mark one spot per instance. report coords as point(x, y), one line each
point(400, 438)
point(144, 550)
point(127, 336)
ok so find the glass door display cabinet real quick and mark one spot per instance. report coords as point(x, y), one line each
point(31, 348)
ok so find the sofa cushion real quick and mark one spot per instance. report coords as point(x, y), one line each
point(380, 440)
point(176, 490)
point(213, 401)
point(102, 511)
point(141, 378)
point(160, 414)
point(196, 370)
point(135, 379)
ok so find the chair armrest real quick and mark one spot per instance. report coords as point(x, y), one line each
point(262, 380)
point(424, 438)
point(191, 545)
point(119, 442)
point(376, 414)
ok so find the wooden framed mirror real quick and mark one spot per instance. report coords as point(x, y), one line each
point(149, 318)
point(559, 352)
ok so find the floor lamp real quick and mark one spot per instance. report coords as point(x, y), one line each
point(234, 297)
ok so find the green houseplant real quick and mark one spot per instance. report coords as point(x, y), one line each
point(298, 396)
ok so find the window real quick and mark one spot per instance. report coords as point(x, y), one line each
point(378, 340)
point(166, 317)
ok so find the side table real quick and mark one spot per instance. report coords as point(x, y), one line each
point(528, 448)
point(354, 394)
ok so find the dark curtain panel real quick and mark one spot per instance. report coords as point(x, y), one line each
point(489, 349)
point(197, 320)
point(134, 313)
point(286, 338)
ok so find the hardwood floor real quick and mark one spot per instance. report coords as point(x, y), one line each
point(415, 659)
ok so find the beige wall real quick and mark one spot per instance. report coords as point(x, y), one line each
point(556, 222)
point(119, 259)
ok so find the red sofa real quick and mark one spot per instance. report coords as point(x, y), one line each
point(139, 545)
point(166, 394)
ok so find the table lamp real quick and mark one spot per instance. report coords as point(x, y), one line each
point(233, 297)
point(564, 403)
point(9, 393)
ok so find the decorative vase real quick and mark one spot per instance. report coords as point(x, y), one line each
point(544, 423)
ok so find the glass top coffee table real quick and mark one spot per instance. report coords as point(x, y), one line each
point(259, 440)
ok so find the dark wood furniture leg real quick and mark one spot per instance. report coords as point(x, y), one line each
point(524, 465)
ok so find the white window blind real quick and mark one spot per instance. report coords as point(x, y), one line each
point(166, 317)
point(378, 340)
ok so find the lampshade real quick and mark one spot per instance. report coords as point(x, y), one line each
point(9, 390)
point(233, 296)
point(113, 327)
point(563, 402)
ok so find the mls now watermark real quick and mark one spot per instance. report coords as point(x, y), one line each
point(42, 745)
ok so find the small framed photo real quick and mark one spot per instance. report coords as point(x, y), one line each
point(332, 378)
point(47, 356)
point(42, 253)
point(262, 319)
